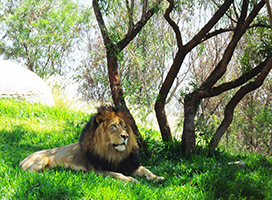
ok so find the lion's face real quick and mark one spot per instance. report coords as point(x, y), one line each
point(117, 132)
point(109, 135)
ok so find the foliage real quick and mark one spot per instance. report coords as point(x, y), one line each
point(91, 74)
point(141, 65)
point(251, 127)
point(144, 63)
point(257, 49)
point(206, 174)
point(41, 33)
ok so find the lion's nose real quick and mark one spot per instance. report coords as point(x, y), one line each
point(124, 136)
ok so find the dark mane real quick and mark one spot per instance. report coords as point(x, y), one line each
point(126, 166)
point(92, 124)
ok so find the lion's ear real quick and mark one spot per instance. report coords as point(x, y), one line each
point(99, 118)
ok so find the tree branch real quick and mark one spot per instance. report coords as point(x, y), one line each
point(221, 11)
point(224, 30)
point(243, 15)
point(221, 68)
point(130, 16)
point(229, 16)
point(172, 23)
point(101, 23)
point(138, 27)
point(236, 83)
point(144, 9)
point(269, 12)
point(229, 110)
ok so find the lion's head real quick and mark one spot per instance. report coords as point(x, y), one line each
point(109, 135)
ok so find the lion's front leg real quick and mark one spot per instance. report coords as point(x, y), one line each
point(116, 175)
point(142, 171)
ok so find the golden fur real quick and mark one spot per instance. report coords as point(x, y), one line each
point(114, 124)
point(107, 146)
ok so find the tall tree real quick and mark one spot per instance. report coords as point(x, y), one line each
point(240, 22)
point(115, 46)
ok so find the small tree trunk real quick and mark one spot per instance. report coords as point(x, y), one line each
point(114, 79)
point(222, 128)
point(162, 121)
point(191, 103)
point(236, 99)
point(161, 99)
point(117, 93)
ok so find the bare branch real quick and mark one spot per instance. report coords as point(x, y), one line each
point(235, 11)
point(229, 16)
point(215, 33)
point(269, 12)
point(130, 9)
point(224, 30)
point(145, 2)
point(138, 26)
point(170, 96)
point(198, 37)
point(229, 110)
point(172, 23)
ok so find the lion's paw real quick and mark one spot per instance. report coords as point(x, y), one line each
point(131, 179)
point(159, 178)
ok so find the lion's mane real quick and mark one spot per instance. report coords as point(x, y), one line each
point(95, 142)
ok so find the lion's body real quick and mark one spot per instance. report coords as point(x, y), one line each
point(107, 146)
point(69, 155)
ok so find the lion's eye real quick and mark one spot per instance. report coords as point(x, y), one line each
point(114, 126)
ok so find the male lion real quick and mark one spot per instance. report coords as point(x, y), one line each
point(106, 146)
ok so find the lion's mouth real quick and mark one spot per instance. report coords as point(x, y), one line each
point(116, 145)
point(120, 147)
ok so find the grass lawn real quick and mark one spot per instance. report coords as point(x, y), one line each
point(26, 128)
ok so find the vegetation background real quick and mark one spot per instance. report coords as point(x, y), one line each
point(205, 174)
point(61, 38)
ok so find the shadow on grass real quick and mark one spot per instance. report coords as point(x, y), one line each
point(209, 171)
point(17, 143)
point(206, 170)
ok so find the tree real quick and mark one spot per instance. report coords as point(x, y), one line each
point(140, 81)
point(41, 33)
point(251, 127)
point(114, 44)
point(240, 23)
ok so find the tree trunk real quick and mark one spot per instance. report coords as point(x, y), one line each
point(162, 121)
point(235, 100)
point(114, 79)
point(189, 137)
point(117, 93)
point(160, 102)
point(191, 103)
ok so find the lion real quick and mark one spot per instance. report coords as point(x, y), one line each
point(106, 146)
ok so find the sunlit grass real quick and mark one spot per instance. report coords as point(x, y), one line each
point(26, 128)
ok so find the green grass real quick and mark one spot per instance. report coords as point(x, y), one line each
point(26, 128)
